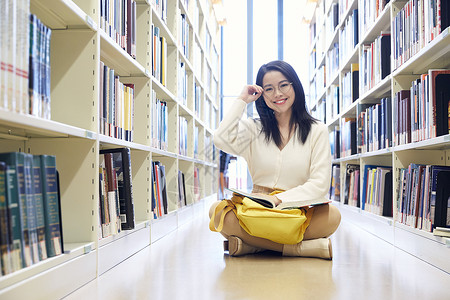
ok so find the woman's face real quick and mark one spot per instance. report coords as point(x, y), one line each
point(278, 94)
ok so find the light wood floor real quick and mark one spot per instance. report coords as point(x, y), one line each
point(190, 264)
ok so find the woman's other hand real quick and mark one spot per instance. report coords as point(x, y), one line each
point(271, 197)
point(251, 93)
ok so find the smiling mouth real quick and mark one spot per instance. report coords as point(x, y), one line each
point(279, 102)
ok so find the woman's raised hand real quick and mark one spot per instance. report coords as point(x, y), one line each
point(251, 93)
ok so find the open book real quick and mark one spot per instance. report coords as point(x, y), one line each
point(267, 201)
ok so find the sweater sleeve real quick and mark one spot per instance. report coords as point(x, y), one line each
point(234, 134)
point(317, 185)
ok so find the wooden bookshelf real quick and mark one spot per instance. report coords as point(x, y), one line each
point(435, 54)
point(72, 134)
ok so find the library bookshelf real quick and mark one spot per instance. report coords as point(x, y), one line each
point(330, 27)
point(73, 133)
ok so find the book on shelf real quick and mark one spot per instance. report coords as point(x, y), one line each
point(266, 201)
point(335, 187)
point(348, 136)
point(439, 94)
point(182, 201)
point(52, 205)
point(441, 231)
point(5, 229)
point(121, 158)
point(39, 203)
point(110, 196)
point(442, 212)
point(335, 143)
point(160, 205)
point(349, 184)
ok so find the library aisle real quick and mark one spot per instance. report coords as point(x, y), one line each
point(189, 264)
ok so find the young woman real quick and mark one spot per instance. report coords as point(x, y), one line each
point(286, 149)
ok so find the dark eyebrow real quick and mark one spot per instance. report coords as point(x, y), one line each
point(278, 83)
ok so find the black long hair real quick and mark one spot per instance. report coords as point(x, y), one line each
point(300, 118)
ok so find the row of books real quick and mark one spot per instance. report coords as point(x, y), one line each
point(183, 135)
point(116, 207)
point(335, 186)
point(159, 190)
point(350, 86)
point(183, 38)
point(333, 102)
point(421, 112)
point(332, 20)
point(352, 185)
point(197, 99)
point(118, 20)
point(160, 121)
point(374, 126)
point(159, 57)
point(335, 142)
point(423, 193)
point(182, 83)
point(418, 23)
point(116, 105)
point(332, 61)
point(25, 61)
point(348, 137)
point(348, 36)
point(376, 192)
point(160, 7)
point(369, 12)
point(30, 214)
point(374, 62)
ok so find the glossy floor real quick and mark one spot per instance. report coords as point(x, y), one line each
point(190, 264)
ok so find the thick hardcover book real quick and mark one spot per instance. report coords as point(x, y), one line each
point(385, 55)
point(17, 205)
point(39, 204)
point(267, 201)
point(52, 210)
point(31, 207)
point(438, 89)
point(442, 214)
point(5, 229)
point(348, 187)
point(163, 187)
point(122, 165)
point(387, 204)
point(441, 97)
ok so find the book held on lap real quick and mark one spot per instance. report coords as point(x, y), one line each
point(265, 200)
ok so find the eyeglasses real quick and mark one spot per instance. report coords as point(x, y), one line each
point(283, 87)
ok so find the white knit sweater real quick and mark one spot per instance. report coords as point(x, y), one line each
point(303, 171)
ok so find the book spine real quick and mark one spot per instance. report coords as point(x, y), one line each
point(5, 229)
point(53, 234)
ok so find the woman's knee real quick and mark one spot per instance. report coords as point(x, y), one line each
point(334, 217)
point(212, 208)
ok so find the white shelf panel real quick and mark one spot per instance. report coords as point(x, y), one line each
point(111, 142)
point(377, 225)
point(380, 90)
point(121, 246)
point(61, 14)
point(71, 252)
point(118, 59)
point(437, 143)
point(163, 226)
point(423, 245)
point(21, 126)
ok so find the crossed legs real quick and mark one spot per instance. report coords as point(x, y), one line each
point(324, 222)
